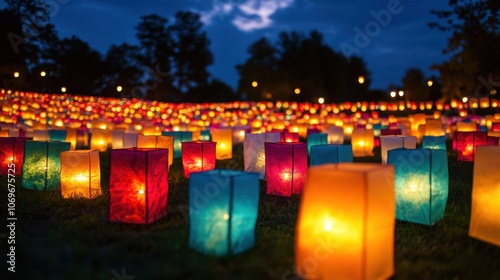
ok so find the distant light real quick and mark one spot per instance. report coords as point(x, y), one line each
point(43, 74)
point(63, 89)
point(465, 99)
point(401, 93)
point(268, 96)
point(16, 74)
point(393, 94)
point(361, 79)
point(297, 91)
point(493, 91)
point(321, 100)
point(255, 84)
point(430, 83)
point(119, 88)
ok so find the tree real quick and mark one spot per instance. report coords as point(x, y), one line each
point(475, 37)
point(415, 85)
point(213, 91)
point(121, 69)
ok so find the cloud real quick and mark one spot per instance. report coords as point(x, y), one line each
point(248, 15)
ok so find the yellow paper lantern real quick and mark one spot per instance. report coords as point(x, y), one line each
point(160, 141)
point(345, 227)
point(224, 139)
point(362, 141)
point(80, 174)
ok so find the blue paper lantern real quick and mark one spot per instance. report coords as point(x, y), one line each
point(434, 142)
point(421, 182)
point(179, 137)
point(42, 164)
point(205, 135)
point(57, 135)
point(223, 209)
point(323, 154)
point(316, 139)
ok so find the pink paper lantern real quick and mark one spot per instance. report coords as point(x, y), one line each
point(286, 167)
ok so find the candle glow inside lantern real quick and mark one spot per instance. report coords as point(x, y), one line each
point(138, 185)
point(224, 140)
point(11, 152)
point(289, 137)
point(485, 217)
point(394, 142)
point(198, 156)
point(286, 167)
point(179, 137)
point(100, 140)
point(316, 139)
point(80, 174)
point(324, 154)
point(434, 142)
point(42, 164)
point(253, 151)
point(158, 142)
point(345, 227)
point(335, 135)
point(223, 209)
point(421, 184)
point(466, 143)
point(362, 142)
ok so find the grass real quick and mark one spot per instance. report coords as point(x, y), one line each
point(60, 238)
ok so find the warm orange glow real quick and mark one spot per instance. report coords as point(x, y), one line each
point(80, 178)
point(361, 79)
point(255, 84)
point(297, 91)
point(16, 74)
point(141, 191)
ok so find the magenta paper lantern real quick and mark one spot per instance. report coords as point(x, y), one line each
point(198, 156)
point(286, 167)
point(466, 143)
point(11, 152)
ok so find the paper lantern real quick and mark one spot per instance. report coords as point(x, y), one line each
point(42, 164)
point(421, 184)
point(387, 132)
point(289, 137)
point(286, 167)
point(4, 133)
point(345, 227)
point(198, 156)
point(466, 143)
point(324, 154)
point(485, 217)
point(123, 139)
point(100, 140)
point(159, 142)
point(224, 140)
point(138, 185)
point(253, 151)
point(466, 126)
point(316, 139)
point(239, 134)
point(434, 142)
point(362, 141)
point(40, 135)
point(223, 209)
point(179, 137)
point(434, 128)
point(11, 152)
point(71, 136)
point(205, 135)
point(80, 174)
point(82, 138)
point(393, 142)
point(57, 135)
point(335, 135)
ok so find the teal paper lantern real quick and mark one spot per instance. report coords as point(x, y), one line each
point(42, 164)
point(205, 135)
point(179, 137)
point(323, 154)
point(421, 182)
point(223, 209)
point(434, 142)
point(57, 135)
point(316, 139)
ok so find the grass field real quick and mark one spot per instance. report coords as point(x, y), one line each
point(72, 239)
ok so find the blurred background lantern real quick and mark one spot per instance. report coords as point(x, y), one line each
point(335, 134)
point(485, 217)
point(224, 140)
point(159, 142)
point(80, 174)
point(289, 137)
point(434, 127)
point(123, 139)
point(42, 164)
point(100, 139)
point(223, 209)
point(323, 154)
point(239, 134)
point(466, 143)
point(434, 142)
point(138, 185)
point(362, 141)
point(205, 135)
point(421, 184)
point(179, 137)
point(11, 152)
point(253, 151)
point(347, 212)
point(316, 139)
point(198, 156)
point(57, 135)
point(393, 142)
point(40, 135)
point(286, 167)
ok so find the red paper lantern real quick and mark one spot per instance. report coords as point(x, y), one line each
point(286, 167)
point(11, 152)
point(289, 137)
point(138, 185)
point(198, 156)
point(466, 143)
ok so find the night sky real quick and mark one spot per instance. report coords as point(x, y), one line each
point(232, 25)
